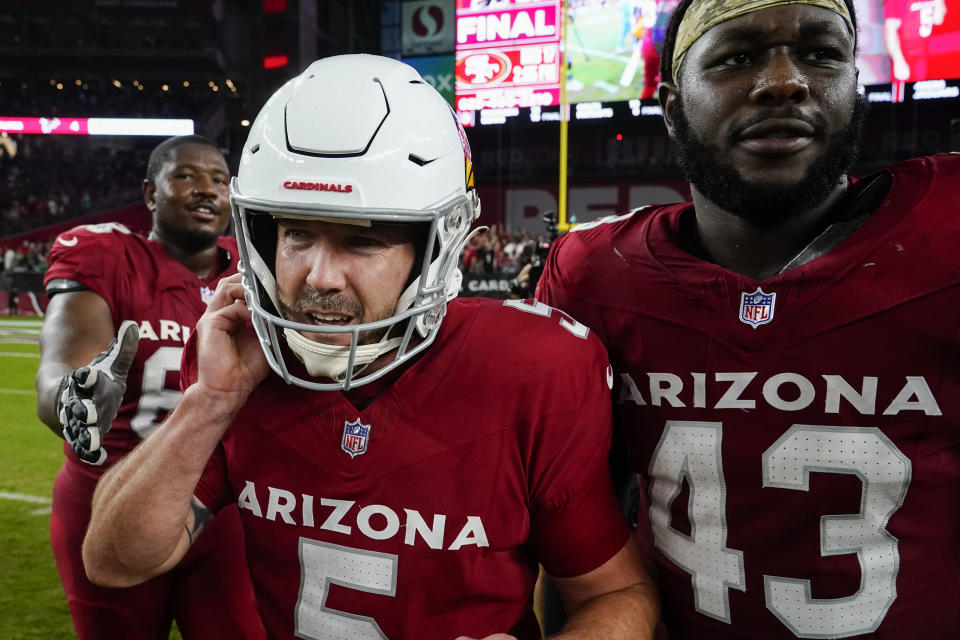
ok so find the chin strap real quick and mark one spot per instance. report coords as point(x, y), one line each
point(453, 279)
point(330, 361)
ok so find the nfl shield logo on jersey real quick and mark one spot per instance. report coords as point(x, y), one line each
point(206, 294)
point(757, 308)
point(355, 438)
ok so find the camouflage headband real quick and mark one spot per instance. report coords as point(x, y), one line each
point(703, 15)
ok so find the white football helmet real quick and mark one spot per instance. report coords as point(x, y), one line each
point(355, 139)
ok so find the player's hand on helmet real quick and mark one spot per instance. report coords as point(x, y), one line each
point(230, 359)
point(88, 397)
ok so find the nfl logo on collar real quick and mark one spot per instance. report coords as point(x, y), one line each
point(757, 308)
point(356, 436)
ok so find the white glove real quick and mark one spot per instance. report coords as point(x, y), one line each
point(89, 397)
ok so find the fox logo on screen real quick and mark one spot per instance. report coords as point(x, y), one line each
point(317, 186)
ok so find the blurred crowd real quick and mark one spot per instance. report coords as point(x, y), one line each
point(159, 71)
point(49, 181)
point(91, 97)
point(500, 250)
point(73, 28)
point(29, 256)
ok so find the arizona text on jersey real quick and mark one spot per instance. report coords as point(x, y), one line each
point(803, 472)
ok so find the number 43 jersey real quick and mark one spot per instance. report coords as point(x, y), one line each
point(423, 515)
point(139, 281)
point(799, 437)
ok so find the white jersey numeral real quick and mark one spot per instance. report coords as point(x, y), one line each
point(323, 564)
point(537, 308)
point(885, 474)
point(691, 451)
point(106, 227)
point(154, 397)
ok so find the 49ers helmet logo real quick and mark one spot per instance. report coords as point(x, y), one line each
point(318, 186)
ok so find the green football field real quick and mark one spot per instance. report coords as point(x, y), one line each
point(32, 603)
point(597, 60)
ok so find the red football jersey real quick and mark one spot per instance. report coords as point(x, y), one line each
point(139, 281)
point(917, 23)
point(799, 437)
point(424, 515)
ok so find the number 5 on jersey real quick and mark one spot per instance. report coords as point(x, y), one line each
point(323, 564)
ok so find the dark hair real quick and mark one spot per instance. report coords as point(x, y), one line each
point(163, 151)
point(670, 40)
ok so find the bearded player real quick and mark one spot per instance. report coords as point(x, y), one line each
point(786, 344)
point(412, 457)
point(103, 281)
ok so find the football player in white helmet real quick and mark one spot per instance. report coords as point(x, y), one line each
point(412, 491)
point(391, 154)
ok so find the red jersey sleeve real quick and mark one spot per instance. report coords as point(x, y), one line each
point(581, 515)
point(556, 288)
point(189, 368)
point(89, 255)
point(576, 522)
point(213, 489)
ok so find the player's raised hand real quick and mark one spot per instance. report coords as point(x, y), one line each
point(229, 356)
point(88, 397)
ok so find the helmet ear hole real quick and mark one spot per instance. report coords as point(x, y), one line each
point(420, 247)
point(356, 139)
point(263, 234)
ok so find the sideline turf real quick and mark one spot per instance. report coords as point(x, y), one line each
point(32, 602)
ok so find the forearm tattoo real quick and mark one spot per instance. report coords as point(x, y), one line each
point(201, 517)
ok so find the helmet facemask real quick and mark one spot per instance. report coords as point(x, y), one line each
point(435, 280)
point(354, 139)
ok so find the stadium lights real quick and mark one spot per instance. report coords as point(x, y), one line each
point(59, 86)
point(78, 82)
point(85, 86)
point(139, 87)
point(211, 83)
point(186, 83)
point(244, 123)
point(116, 83)
point(53, 82)
point(215, 88)
point(165, 87)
